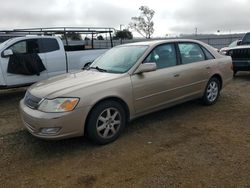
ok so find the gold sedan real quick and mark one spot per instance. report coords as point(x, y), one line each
point(126, 82)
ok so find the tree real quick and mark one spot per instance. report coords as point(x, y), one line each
point(100, 37)
point(143, 24)
point(124, 34)
point(72, 36)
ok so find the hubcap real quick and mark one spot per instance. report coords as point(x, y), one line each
point(212, 91)
point(108, 123)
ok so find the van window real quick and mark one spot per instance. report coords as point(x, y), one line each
point(49, 45)
point(20, 47)
point(26, 47)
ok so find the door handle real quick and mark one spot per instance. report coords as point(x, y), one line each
point(176, 75)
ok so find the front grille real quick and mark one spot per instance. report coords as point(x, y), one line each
point(241, 54)
point(31, 101)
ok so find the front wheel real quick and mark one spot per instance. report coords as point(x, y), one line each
point(212, 91)
point(106, 122)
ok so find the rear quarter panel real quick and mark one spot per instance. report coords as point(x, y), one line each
point(223, 67)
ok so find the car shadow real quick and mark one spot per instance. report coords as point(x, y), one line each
point(245, 76)
point(7, 94)
point(37, 148)
point(163, 115)
point(23, 143)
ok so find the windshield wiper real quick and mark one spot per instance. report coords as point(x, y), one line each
point(98, 68)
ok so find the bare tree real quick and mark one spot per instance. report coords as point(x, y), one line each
point(143, 24)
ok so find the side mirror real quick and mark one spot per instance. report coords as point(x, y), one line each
point(239, 42)
point(146, 67)
point(7, 53)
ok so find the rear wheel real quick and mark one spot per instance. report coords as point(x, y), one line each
point(212, 91)
point(106, 122)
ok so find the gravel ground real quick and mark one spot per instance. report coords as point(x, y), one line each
point(189, 145)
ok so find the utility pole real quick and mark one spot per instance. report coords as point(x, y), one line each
point(195, 31)
point(121, 30)
point(121, 26)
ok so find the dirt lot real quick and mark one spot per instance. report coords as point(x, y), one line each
point(186, 146)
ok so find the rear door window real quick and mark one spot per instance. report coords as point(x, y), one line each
point(190, 53)
point(208, 54)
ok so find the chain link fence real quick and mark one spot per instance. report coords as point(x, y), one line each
point(217, 41)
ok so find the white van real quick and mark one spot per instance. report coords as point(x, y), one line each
point(52, 53)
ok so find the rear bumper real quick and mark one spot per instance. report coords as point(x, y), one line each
point(70, 124)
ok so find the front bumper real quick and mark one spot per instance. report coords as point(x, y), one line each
point(71, 124)
point(241, 65)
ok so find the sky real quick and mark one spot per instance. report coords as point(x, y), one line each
point(172, 17)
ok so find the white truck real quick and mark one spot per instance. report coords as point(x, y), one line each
point(52, 53)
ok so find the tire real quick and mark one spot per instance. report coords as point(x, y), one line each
point(235, 72)
point(106, 122)
point(212, 91)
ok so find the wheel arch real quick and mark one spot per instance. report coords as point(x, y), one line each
point(218, 76)
point(111, 98)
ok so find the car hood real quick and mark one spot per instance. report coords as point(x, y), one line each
point(238, 47)
point(66, 83)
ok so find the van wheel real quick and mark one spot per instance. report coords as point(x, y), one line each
point(212, 91)
point(106, 122)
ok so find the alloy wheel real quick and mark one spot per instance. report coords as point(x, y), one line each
point(212, 91)
point(108, 123)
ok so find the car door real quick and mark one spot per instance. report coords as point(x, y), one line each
point(55, 56)
point(23, 47)
point(157, 88)
point(193, 73)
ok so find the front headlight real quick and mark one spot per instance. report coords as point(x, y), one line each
point(58, 104)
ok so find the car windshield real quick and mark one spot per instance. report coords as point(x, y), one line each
point(4, 43)
point(119, 59)
point(233, 44)
point(246, 39)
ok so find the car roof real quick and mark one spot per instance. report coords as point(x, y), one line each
point(157, 42)
point(32, 37)
point(152, 43)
